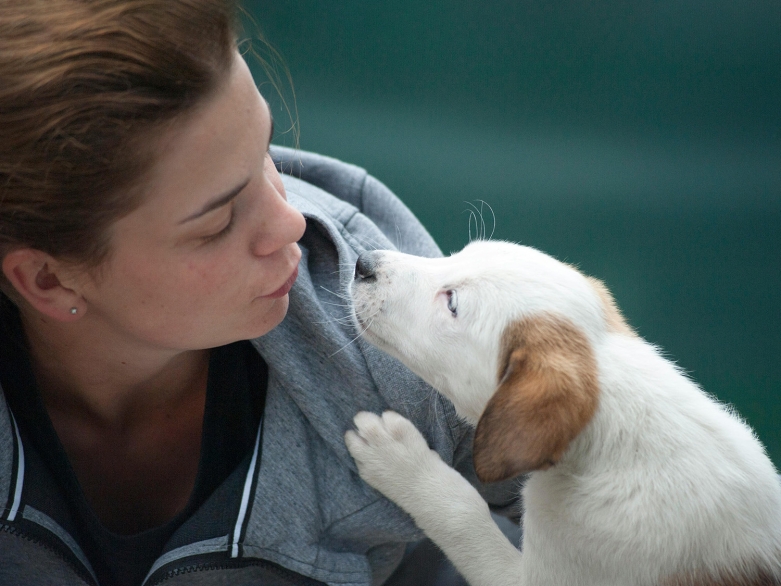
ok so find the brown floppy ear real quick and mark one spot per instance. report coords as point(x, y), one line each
point(548, 392)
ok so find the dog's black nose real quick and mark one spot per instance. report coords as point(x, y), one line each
point(366, 266)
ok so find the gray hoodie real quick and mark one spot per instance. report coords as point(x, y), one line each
point(298, 503)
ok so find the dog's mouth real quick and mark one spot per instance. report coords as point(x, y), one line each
point(364, 309)
point(367, 330)
point(363, 322)
point(359, 321)
point(365, 326)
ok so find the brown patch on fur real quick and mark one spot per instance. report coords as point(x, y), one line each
point(615, 321)
point(547, 393)
point(749, 577)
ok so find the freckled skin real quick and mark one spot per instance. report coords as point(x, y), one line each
point(166, 286)
point(124, 378)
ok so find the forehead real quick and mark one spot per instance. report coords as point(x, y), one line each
point(519, 280)
point(207, 151)
point(508, 263)
point(229, 121)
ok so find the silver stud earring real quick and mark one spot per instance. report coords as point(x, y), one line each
point(74, 311)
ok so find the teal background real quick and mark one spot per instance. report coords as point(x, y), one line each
point(639, 140)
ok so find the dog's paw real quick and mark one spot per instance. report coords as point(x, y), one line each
point(391, 454)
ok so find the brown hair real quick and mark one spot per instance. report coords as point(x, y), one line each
point(84, 85)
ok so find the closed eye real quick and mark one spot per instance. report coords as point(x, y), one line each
point(224, 232)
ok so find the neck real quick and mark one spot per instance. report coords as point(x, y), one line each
point(85, 372)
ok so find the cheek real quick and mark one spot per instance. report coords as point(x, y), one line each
point(177, 286)
point(217, 285)
point(205, 277)
point(418, 328)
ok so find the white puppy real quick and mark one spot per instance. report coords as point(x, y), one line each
point(638, 476)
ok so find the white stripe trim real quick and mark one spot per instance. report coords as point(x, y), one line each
point(19, 472)
point(44, 520)
point(245, 496)
point(214, 545)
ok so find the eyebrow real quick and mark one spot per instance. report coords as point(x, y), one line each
point(217, 202)
point(226, 198)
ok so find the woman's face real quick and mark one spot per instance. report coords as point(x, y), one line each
point(210, 255)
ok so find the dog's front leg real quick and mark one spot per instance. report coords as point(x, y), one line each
point(393, 457)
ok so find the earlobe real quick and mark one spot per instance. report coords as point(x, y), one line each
point(548, 392)
point(34, 275)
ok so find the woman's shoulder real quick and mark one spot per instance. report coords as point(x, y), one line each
point(317, 355)
point(333, 176)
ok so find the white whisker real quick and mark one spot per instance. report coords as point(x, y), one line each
point(361, 333)
point(493, 216)
point(339, 295)
point(478, 216)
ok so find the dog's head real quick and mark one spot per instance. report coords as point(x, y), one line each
point(506, 332)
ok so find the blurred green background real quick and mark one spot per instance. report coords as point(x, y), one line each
point(639, 140)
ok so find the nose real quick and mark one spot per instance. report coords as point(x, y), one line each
point(281, 226)
point(366, 267)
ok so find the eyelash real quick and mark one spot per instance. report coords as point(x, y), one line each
point(226, 230)
point(222, 233)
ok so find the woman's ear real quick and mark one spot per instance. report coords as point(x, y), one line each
point(38, 279)
point(547, 393)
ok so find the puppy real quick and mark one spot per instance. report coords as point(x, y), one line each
point(637, 478)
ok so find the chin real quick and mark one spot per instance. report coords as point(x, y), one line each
point(272, 316)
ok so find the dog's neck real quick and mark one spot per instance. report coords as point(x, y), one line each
point(469, 394)
point(468, 397)
point(639, 389)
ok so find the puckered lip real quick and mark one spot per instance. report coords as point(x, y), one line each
point(285, 288)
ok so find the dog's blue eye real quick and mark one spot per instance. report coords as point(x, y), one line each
point(452, 301)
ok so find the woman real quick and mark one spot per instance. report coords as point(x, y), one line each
point(159, 421)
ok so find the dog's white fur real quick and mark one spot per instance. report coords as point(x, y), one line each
point(655, 483)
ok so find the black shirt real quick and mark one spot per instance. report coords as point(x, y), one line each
point(235, 397)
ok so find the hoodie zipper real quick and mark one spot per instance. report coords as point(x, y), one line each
point(78, 568)
point(292, 578)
